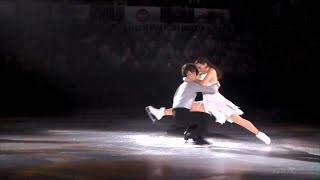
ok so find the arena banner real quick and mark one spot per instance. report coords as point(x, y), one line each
point(200, 15)
point(70, 12)
point(142, 14)
point(204, 15)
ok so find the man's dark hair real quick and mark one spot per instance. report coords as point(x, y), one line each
point(188, 67)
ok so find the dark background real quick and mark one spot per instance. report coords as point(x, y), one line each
point(56, 57)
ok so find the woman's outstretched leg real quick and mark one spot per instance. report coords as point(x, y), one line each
point(249, 126)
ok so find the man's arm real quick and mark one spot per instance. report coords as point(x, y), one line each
point(211, 76)
point(204, 89)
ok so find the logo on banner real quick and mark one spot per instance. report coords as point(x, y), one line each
point(142, 15)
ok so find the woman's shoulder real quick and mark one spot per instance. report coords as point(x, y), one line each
point(212, 71)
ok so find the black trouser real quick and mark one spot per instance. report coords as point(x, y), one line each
point(194, 122)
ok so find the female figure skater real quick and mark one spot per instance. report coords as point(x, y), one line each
point(214, 104)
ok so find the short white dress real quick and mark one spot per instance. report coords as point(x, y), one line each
point(220, 107)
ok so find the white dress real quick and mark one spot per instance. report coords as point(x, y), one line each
point(220, 107)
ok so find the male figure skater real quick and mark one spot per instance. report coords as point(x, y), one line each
point(195, 122)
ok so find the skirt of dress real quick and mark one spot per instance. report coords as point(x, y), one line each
point(220, 107)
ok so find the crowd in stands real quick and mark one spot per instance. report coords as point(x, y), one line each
point(83, 61)
point(151, 47)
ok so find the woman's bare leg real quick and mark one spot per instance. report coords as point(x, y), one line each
point(249, 126)
point(244, 123)
point(196, 106)
point(168, 112)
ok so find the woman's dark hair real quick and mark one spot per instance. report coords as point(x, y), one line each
point(188, 67)
point(203, 60)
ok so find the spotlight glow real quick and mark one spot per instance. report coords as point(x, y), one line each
point(163, 141)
